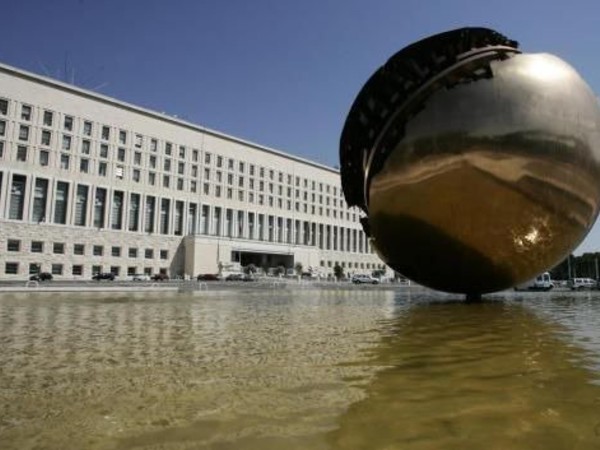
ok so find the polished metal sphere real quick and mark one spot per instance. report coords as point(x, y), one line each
point(477, 166)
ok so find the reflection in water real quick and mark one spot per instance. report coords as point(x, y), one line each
point(346, 369)
point(490, 375)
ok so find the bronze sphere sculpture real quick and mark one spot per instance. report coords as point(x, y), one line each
point(477, 166)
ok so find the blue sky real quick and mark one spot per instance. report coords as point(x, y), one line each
point(279, 73)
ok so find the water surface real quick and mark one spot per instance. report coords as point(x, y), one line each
point(299, 369)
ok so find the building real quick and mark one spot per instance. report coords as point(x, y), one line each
point(91, 184)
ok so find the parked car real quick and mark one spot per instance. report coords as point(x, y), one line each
point(364, 279)
point(139, 277)
point(249, 277)
point(160, 277)
point(42, 276)
point(578, 284)
point(103, 276)
point(207, 277)
point(234, 277)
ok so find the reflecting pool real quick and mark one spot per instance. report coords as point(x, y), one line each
point(300, 369)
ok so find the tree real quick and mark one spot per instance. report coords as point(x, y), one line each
point(250, 269)
point(280, 270)
point(298, 268)
point(338, 271)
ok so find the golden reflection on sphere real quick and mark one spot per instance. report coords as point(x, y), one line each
point(486, 175)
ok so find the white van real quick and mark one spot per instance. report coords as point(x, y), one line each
point(542, 282)
point(577, 284)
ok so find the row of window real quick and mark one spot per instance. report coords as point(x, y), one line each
point(119, 210)
point(13, 268)
point(59, 248)
point(105, 135)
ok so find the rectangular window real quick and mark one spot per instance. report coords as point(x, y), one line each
point(103, 150)
point(134, 212)
point(119, 172)
point(137, 158)
point(84, 165)
point(138, 140)
point(167, 165)
point(115, 251)
point(98, 250)
point(149, 253)
point(46, 137)
point(195, 155)
point(149, 214)
point(34, 268)
point(64, 161)
point(66, 142)
point(207, 158)
point(164, 254)
point(102, 169)
point(23, 133)
point(13, 245)
point(117, 210)
point(153, 145)
point(17, 197)
point(152, 162)
point(11, 268)
point(105, 133)
point(219, 161)
point(37, 246)
point(166, 181)
point(122, 137)
point(87, 128)
point(81, 202)
point(131, 271)
point(40, 200)
point(121, 154)
point(99, 207)
point(79, 249)
point(48, 117)
point(133, 252)
point(58, 248)
point(57, 269)
point(68, 123)
point(3, 106)
point(180, 184)
point(165, 205)
point(182, 152)
point(178, 218)
point(191, 224)
point(26, 112)
point(77, 269)
point(96, 269)
point(2, 128)
point(151, 178)
point(85, 147)
point(61, 202)
point(136, 175)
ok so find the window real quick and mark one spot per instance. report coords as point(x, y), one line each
point(103, 151)
point(2, 128)
point(148, 253)
point(21, 153)
point(138, 140)
point(98, 250)
point(136, 175)
point(180, 168)
point(11, 268)
point(102, 168)
point(105, 133)
point(167, 165)
point(23, 133)
point(180, 184)
point(96, 269)
point(81, 201)
point(84, 165)
point(116, 251)
point(219, 161)
point(195, 155)
point(193, 186)
point(60, 202)
point(85, 147)
point(46, 137)
point(34, 268)
point(57, 269)
point(48, 117)
point(207, 158)
point(26, 112)
point(13, 245)
point(164, 254)
point(44, 157)
point(3, 106)
point(137, 158)
point(117, 210)
point(168, 148)
point(133, 252)
point(122, 137)
point(58, 248)
point(17, 197)
point(79, 249)
point(131, 270)
point(152, 162)
point(68, 123)
point(181, 151)
point(77, 269)
point(119, 171)
point(153, 145)
point(87, 128)
point(134, 211)
point(151, 178)
point(66, 142)
point(121, 154)
point(166, 181)
point(37, 246)
point(64, 161)
point(99, 207)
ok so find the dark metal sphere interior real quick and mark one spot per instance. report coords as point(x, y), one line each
point(477, 166)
